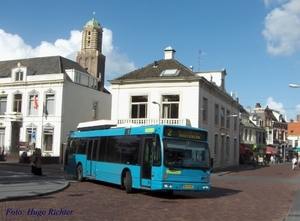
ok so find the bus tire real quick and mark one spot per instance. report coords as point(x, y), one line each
point(128, 182)
point(79, 173)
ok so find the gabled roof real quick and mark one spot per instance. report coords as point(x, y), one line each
point(155, 69)
point(41, 65)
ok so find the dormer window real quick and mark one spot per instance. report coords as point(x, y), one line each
point(170, 72)
point(19, 75)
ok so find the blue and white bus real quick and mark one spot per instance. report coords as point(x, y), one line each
point(153, 157)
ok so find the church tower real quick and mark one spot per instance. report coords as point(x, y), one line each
point(90, 57)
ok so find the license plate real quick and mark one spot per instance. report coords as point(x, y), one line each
point(188, 187)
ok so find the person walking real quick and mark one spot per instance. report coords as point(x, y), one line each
point(294, 162)
point(272, 159)
point(33, 161)
point(38, 170)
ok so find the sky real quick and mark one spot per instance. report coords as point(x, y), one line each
point(256, 41)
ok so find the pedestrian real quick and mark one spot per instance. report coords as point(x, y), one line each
point(33, 161)
point(294, 162)
point(254, 161)
point(260, 160)
point(299, 161)
point(39, 163)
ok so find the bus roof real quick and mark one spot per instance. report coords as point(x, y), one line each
point(96, 125)
point(92, 129)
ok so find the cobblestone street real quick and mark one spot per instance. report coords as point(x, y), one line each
point(265, 193)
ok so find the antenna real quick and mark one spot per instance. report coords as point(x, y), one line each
point(199, 60)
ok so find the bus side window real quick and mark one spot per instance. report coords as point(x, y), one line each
point(157, 154)
point(81, 147)
point(95, 148)
point(102, 150)
point(72, 146)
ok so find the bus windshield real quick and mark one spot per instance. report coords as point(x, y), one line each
point(181, 153)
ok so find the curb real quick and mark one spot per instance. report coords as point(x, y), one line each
point(36, 194)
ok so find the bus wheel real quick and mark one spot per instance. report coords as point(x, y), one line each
point(128, 182)
point(79, 173)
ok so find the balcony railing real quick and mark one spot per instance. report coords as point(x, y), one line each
point(146, 121)
point(13, 116)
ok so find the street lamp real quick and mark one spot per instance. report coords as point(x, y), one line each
point(294, 85)
point(154, 102)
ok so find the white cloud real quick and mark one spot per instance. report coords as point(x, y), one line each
point(282, 27)
point(13, 47)
point(276, 106)
point(273, 2)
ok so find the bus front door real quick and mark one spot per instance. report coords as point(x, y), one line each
point(146, 163)
point(91, 159)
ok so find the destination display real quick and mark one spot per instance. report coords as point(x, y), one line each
point(185, 133)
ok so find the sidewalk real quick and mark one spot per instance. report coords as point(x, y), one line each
point(18, 185)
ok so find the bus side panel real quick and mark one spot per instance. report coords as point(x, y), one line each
point(111, 173)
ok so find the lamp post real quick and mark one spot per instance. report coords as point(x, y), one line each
point(294, 85)
point(154, 102)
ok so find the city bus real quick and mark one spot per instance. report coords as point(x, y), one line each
point(145, 157)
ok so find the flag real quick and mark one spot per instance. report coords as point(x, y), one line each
point(35, 102)
point(45, 111)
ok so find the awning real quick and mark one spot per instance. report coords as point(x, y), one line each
point(242, 150)
point(296, 149)
point(271, 150)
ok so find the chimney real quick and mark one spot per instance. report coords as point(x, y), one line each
point(169, 53)
point(257, 105)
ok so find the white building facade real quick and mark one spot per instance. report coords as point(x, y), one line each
point(167, 92)
point(67, 93)
point(65, 97)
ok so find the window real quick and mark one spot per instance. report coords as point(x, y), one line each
point(49, 105)
point(19, 76)
point(204, 109)
point(216, 114)
point(228, 119)
point(222, 117)
point(227, 149)
point(48, 137)
point(216, 146)
point(3, 101)
point(246, 135)
point(48, 142)
point(29, 134)
point(32, 110)
point(170, 106)
point(18, 103)
point(2, 136)
point(81, 148)
point(235, 123)
point(119, 149)
point(72, 145)
point(139, 106)
point(170, 72)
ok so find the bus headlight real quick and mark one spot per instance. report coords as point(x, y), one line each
point(167, 185)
